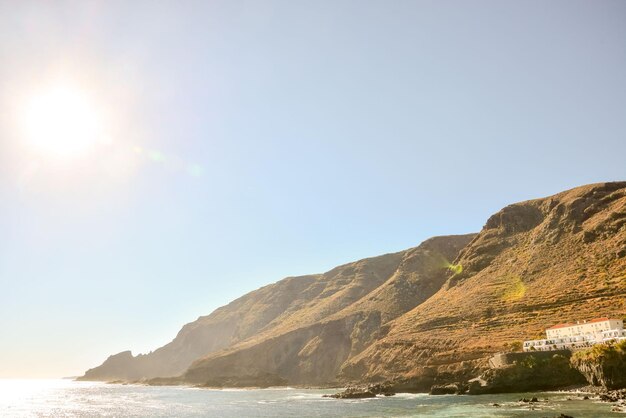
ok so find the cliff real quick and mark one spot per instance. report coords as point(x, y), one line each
point(305, 352)
point(527, 372)
point(355, 298)
point(534, 264)
point(428, 315)
point(603, 365)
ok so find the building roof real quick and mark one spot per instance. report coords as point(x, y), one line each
point(587, 322)
point(599, 320)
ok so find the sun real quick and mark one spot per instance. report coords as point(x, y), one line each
point(61, 122)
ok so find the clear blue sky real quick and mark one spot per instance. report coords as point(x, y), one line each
point(249, 141)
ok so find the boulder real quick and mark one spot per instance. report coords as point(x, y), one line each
point(352, 393)
point(449, 389)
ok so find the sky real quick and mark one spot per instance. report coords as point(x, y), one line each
point(234, 143)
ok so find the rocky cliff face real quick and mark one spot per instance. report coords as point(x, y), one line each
point(603, 365)
point(542, 370)
point(414, 317)
point(313, 352)
point(534, 264)
point(370, 292)
point(225, 326)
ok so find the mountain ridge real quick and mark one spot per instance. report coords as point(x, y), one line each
point(429, 314)
point(278, 307)
point(534, 264)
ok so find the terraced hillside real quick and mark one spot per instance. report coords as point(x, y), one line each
point(534, 264)
point(310, 346)
point(371, 291)
point(414, 316)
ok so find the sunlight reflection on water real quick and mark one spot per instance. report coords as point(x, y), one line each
point(52, 398)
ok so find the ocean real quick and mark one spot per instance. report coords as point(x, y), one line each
point(66, 398)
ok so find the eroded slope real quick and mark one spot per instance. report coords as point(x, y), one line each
point(534, 264)
point(301, 350)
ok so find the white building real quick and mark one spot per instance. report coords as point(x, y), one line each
point(579, 335)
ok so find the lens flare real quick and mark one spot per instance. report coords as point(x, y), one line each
point(455, 268)
point(513, 288)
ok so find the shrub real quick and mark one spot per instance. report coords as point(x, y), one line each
point(609, 353)
point(516, 346)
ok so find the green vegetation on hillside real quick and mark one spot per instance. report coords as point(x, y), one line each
point(610, 353)
point(603, 364)
point(530, 373)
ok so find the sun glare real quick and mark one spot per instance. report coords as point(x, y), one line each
point(61, 122)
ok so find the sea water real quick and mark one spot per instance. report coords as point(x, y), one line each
point(66, 398)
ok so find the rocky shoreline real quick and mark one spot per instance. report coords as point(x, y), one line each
point(615, 397)
point(590, 393)
point(597, 374)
